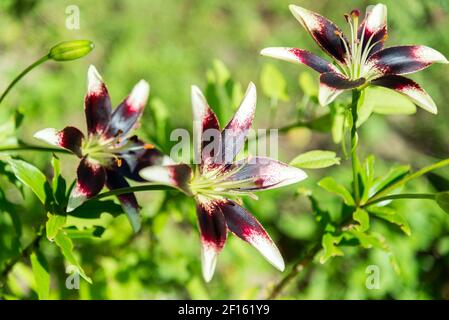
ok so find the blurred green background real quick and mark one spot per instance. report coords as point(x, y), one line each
point(174, 44)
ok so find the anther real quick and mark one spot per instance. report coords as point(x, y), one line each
point(355, 13)
point(148, 146)
point(119, 162)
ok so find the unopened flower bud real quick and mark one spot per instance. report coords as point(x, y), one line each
point(70, 50)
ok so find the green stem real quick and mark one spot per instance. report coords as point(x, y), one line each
point(408, 178)
point(27, 147)
point(22, 74)
point(354, 160)
point(147, 187)
point(430, 196)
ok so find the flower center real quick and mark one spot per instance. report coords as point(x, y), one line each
point(219, 184)
point(357, 50)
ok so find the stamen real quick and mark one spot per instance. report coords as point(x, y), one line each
point(148, 146)
point(119, 162)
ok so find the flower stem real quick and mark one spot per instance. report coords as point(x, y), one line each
point(147, 187)
point(430, 196)
point(27, 147)
point(23, 73)
point(354, 138)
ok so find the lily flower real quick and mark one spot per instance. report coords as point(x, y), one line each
point(108, 154)
point(217, 185)
point(361, 59)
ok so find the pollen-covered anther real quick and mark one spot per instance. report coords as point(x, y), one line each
point(338, 33)
point(119, 162)
point(148, 146)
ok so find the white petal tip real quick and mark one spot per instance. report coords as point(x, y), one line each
point(75, 200)
point(270, 252)
point(208, 263)
point(94, 80)
point(139, 94)
point(155, 174)
point(134, 220)
point(49, 135)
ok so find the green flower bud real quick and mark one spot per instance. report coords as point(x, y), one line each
point(70, 50)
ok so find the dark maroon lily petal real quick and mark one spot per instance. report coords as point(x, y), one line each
point(206, 130)
point(234, 134)
point(245, 226)
point(213, 231)
point(333, 84)
point(177, 175)
point(91, 178)
point(326, 34)
point(69, 138)
point(404, 59)
point(97, 104)
point(127, 114)
point(373, 29)
point(300, 56)
point(258, 173)
point(128, 201)
point(408, 88)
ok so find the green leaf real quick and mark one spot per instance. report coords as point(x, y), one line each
point(30, 176)
point(273, 83)
point(362, 217)
point(39, 266)
point(386, 101)
point(338, 123)
point(66, 246)
point(368, 170)
point(330, 185)
point(391, 216)
point(394, 175)
point(369, 241)
point(442, 199)
point(308, 84)
point(330, 249)
point(364, 108)
point(54, 223)
point(316, 159)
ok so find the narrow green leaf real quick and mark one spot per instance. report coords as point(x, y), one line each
point(54, 223)
point(39, 266)
point(66, 246)
point(364, 107)
point(394, 175)
point(330, 185)
point(442, 199)
point(329, 248)
point(56, 164)
point(362, 217)
point(30, 176)
point(316, 159)
point(368, 169)
point(391, 216)
point(273, 83)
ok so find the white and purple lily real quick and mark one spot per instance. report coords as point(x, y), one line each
point(360, 60)
point(218, 178)
point(109, 153)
